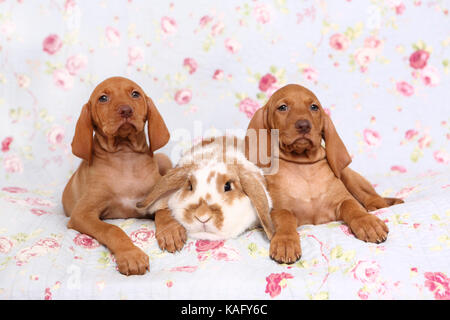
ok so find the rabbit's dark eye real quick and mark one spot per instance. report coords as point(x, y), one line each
point(190, 186)
point(227, 186)
point(103, 98)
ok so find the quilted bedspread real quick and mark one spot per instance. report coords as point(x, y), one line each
point(41, 259)
point(380, 69)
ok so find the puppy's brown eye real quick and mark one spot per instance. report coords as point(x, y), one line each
point(103, 98)
point(283, 107)
point(189, 186)
point(314, 107)
point(227, 186)
point(135, 94)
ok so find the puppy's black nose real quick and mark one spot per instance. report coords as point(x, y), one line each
point(125, 111)
point(303, 126)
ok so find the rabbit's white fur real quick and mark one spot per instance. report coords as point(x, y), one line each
point(239, 214)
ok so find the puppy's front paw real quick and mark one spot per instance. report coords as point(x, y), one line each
point(171, 236)
point(285, 247)
point(132, 261)
point(369, 228)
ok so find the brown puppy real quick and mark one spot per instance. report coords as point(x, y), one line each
point(313, 184)
point(118, 167)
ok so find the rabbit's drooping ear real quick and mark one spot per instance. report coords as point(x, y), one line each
point(82, 142)
point(259, 197)
point(337, 154)
point(158, 135)
point(174, 179)
point(256, 150)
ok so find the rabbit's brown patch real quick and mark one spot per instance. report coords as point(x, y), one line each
point(201, 209)
point(211, 175)
point(191, 181)
point(236, 189)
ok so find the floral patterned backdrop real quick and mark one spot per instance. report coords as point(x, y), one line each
point(379, 67)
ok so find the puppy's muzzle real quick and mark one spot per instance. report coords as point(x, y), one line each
point(303, 126)
point(125, 111)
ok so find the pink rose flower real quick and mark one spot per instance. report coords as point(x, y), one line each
point(191, 64)
point(399, 9)
point(217, 28)
point(14, 190)
point(39, 212)
point(366, 271)
point(52, 44)
point(112, 36)
point(441, 156)
point(310, 73)
point(218, 74)
point(430, 76)
point(262, 13)
point(371, 137)
point(266, 82)
point(405, 88)
point(12, 164)
point(168, 25)
point(439, 284)
point(418, 60)
point(410, 134)
point(363, 56)
point(75, 63)
point(363, 294)
point(189, 269)
point(47, 294)
point(135, 53)
point(183, 96)
point(400, 169)
point(49, 243)
point(424, 141)
point(249, 107)
point(63, 79)
point(232, 45)
point(339, 42)
point(141, 235)
point(273, 287)
point(85, 241)
point(56, 135)
point(69, 5)
point(6, 143)
point(5, 245)
point(373, 43)
point(204, 21)
point(206, 245)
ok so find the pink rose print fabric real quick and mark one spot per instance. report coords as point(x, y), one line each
point(377, 70)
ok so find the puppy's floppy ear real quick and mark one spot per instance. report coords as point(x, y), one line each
point(256, 191)
point(259, 119)
point(82, 142)
point(174, 179)
point(158, 135)
point(337, 154)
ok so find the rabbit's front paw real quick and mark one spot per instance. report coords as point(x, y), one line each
point(285, 247)
point(171, 236)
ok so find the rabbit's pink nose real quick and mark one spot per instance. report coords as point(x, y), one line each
point(203, 221)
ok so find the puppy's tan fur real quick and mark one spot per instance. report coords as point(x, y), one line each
point(313, 184)
point(118, 167)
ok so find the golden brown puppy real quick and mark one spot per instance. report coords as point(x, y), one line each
point(118, 167)
point(313, 184)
